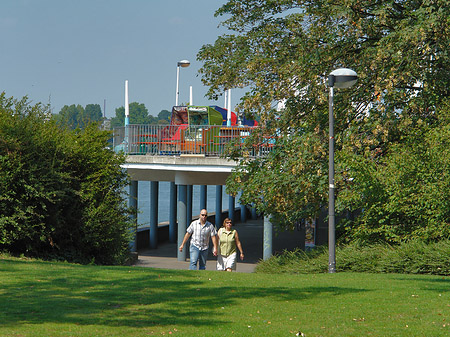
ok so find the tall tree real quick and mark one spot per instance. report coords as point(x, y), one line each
point(283, 50)
point(71, 116)
point(93, 113)
point(75, 116)
point(138, 115)
point(164, 116)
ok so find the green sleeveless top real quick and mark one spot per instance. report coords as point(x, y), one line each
point(227, 242)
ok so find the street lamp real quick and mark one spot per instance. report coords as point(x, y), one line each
point(339, 78)
point(183, 64)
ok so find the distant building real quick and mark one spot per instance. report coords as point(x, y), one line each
point(106, 124)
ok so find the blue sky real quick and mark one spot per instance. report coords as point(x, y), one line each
point(82, 51)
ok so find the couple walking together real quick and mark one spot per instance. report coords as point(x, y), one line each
point(225, 242)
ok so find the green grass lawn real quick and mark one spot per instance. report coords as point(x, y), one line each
point(59, 299)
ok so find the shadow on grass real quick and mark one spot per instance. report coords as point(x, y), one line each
point(437, 283)
point(116, 296)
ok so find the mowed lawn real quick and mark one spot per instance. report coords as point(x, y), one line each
point(60, 299)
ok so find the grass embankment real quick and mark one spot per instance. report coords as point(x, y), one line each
point(59, 299)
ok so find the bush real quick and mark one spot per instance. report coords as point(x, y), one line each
point(402, 192)
point(60, 190)
point(296, 262)
point(413, 257)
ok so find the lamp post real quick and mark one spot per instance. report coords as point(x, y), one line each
point(127, 117)
point(180, 209)
point(339, 78)
point(183, 64)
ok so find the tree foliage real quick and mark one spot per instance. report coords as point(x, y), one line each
point(405, 193)
point(164, 117)
point(93, 113)
point(283, 50)
point(60, 190)
point(138, 115)
point(75, 116)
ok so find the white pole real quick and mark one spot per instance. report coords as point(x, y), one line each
point(226, 98)
point(127, 115)
point(229, 108)
point(127, 107)
point(177, 91)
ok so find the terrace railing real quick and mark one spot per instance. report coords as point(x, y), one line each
point(207, 140)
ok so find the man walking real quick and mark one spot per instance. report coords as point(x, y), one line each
point(200, 230)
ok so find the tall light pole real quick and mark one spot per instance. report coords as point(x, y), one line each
point(339, 78)
point(127, 115)
point(173, 187)
point(183, 64)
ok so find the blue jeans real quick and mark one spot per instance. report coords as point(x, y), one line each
point(195, 255)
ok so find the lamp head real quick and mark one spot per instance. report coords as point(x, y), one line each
point(183, 63)
point(342, 78)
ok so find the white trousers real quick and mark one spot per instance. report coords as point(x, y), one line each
point(226, 262)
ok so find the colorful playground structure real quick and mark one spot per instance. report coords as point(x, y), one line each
point(192, 130)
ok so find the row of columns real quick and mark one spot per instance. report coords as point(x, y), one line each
point(180, 213)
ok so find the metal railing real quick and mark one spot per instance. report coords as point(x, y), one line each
point(208, 140)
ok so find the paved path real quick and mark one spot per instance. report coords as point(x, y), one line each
point(165, 256)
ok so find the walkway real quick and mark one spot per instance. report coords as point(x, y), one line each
point(250, 234)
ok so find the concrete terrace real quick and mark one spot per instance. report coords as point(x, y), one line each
point(185, 169)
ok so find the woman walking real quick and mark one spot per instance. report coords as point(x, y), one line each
point(228, 241)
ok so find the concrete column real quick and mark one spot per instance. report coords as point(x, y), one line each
point(267, 242)
point(243, 212)
point(203, 197)
point(219, 189)
point(154, 191)
point(181, 215)
point(189, 205)
point(254, 214)
point(132, 202)
point(173, 213)
point(231, 203)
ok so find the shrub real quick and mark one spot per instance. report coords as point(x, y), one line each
point(413, 257)
point(60, 190)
